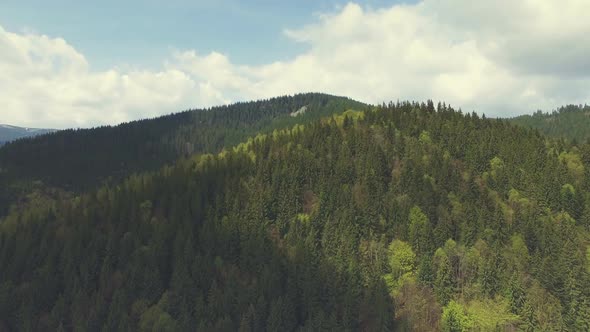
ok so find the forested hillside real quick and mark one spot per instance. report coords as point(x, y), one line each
point(402, 217)
point(571, 122)
point(77, 160)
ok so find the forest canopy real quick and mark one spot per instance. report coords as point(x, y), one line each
point(571, 122)
point(404, 216)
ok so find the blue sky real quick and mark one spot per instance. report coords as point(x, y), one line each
point(142, 33)
point(88, 63)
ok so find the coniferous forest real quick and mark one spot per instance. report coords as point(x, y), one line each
point(399, 217)
point(571, 122)
point(82, 159)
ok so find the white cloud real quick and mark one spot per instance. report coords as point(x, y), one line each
point(501, 58)
point(46, 83)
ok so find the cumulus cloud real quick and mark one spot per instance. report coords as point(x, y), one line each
point(45, 82)
point(502, 58)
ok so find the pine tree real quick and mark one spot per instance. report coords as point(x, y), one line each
point(443, 283)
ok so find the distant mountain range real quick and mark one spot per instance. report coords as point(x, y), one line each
point(9, 133)
point(571, 122)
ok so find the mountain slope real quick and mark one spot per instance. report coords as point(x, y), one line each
point(75, 160)
point(397, 218)
point(571, 122)
point(10, 133)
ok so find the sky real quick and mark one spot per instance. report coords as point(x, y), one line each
point(82, 64)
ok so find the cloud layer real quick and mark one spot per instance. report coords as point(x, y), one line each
point(502, 58)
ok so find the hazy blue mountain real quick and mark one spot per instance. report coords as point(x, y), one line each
point(9, 133)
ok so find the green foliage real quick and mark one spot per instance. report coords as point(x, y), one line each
point(347, 118)
point(444, 283)
point(517, 256)
point(455, 319)
point(402, 262)
point(574, 164)
point(571, 122)
point(420, 230)
point(497, 165)
point(402, 258)
point(425, 138)
point(375, 223)
point(543, 311)
point(155, 318)
point(491, 315)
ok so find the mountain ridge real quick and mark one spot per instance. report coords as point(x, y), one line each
point(10, 133)
point(81, 159)
point(571, 122)
point(402, 216)
point(398, 217)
